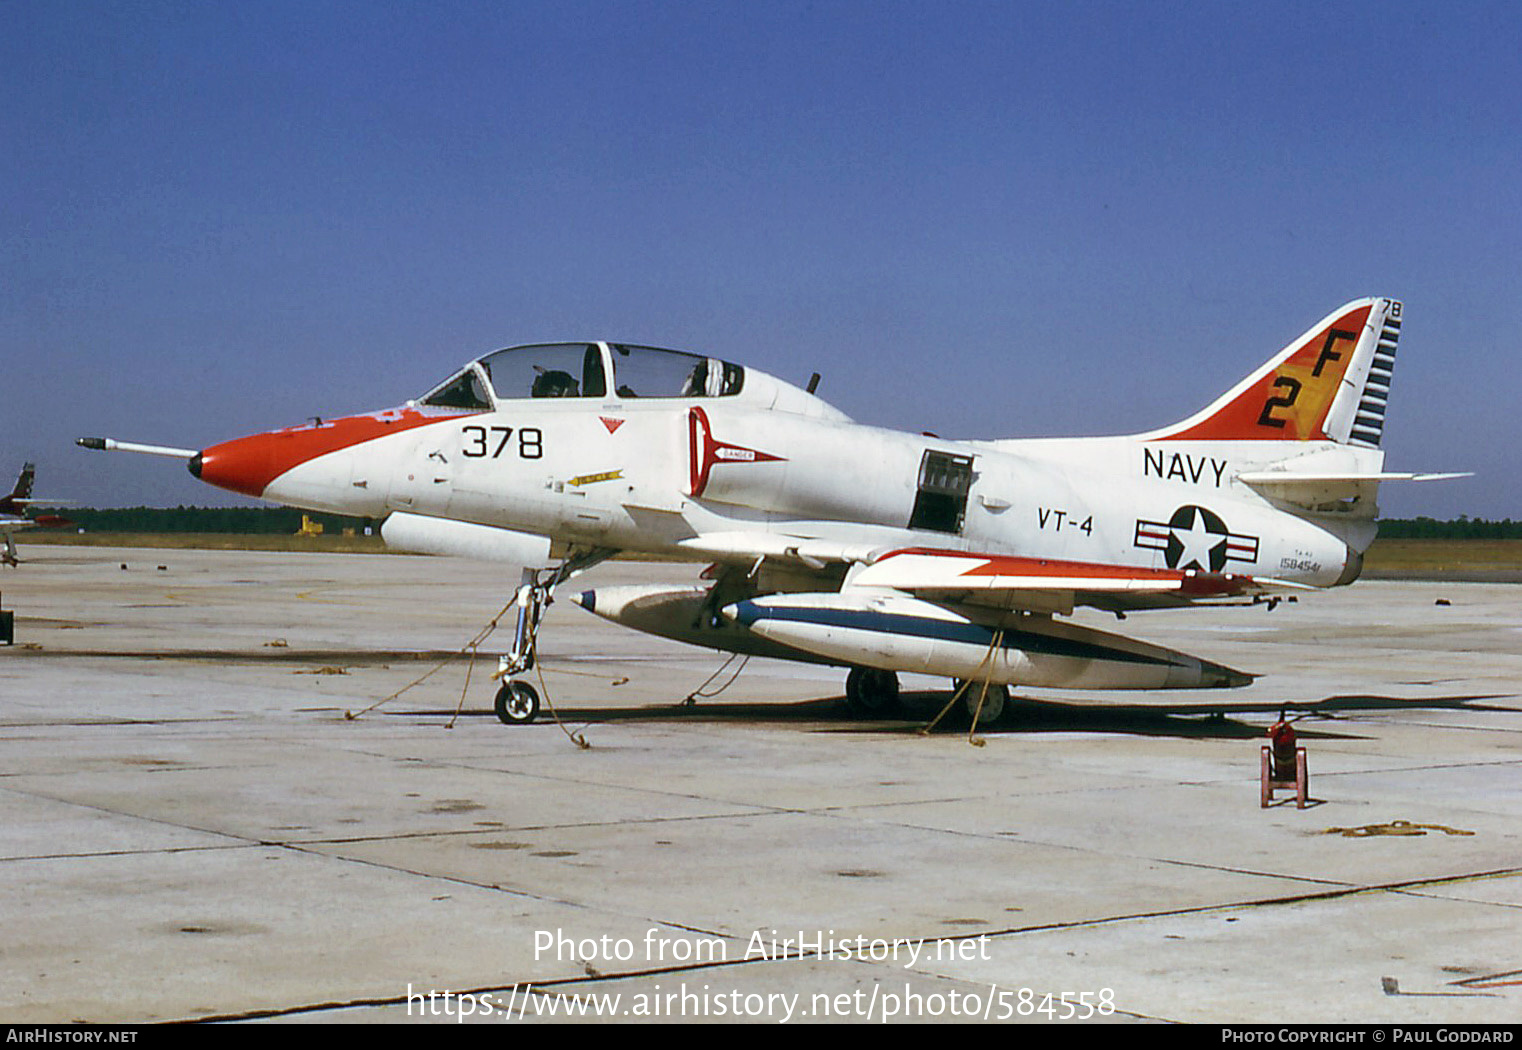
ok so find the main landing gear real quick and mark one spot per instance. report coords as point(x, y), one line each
point(874, 694)
point(871, 693)
point(517, 702)
point(995, 703)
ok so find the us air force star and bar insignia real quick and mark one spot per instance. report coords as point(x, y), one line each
point(1195, 538)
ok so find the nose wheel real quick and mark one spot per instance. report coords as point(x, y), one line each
point(517, 703)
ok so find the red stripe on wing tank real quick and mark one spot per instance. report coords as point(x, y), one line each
point(1189, 582)
point(1014, 565)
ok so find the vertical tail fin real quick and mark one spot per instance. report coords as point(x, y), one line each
point(1331, 384)
point(13, 503)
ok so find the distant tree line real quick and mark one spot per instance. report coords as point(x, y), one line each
point(286, 520)
point(1461, 528)
point(244, 520)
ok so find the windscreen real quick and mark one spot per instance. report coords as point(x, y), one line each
point(465, 390)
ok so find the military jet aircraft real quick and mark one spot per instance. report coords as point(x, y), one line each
point(833, 542)
point(13, 517)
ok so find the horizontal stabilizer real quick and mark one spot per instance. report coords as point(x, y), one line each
point(1329, 490)
point(1282, 478)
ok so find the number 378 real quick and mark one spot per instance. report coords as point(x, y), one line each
point(492, 442)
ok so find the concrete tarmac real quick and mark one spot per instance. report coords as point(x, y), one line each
point(191, 826)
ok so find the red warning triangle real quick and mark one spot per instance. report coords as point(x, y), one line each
point(611, 424)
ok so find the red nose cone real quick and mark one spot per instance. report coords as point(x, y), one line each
point(245, 465)
point(249, 464)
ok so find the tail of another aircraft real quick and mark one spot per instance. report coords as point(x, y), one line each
point(14, 503)
point(1331, 384)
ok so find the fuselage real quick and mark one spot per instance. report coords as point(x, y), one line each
point(834, 542)
point(701, 450)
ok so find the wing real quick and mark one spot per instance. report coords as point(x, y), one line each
point(1050, 585)
point(744, 547)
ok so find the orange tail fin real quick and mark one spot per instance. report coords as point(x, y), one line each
point(1331, 384)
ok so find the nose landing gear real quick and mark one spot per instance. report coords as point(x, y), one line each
point(517, 702)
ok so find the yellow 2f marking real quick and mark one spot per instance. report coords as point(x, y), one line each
point(1291, 387)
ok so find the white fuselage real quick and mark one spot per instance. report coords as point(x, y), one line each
point(674, 476)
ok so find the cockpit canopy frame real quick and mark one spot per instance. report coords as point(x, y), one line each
point(582, 370)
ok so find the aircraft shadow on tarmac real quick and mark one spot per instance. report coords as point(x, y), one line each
point(1025, 715)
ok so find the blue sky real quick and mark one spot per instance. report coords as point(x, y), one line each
point(984, 220)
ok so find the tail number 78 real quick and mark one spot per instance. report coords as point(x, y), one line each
point(492, 442)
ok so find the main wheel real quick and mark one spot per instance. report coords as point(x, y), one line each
point(517, 703)
point(871, 693)
point(995, 702)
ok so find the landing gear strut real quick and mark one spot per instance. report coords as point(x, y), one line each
point(517, 702)
point(871, 693)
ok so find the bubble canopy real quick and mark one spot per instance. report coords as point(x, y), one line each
point(601, 370)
